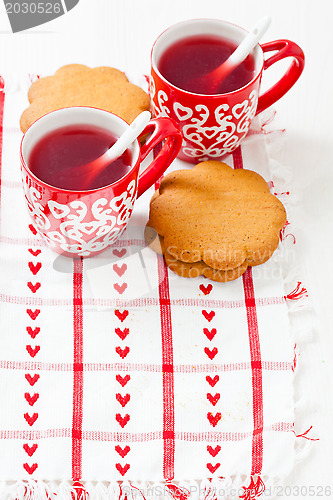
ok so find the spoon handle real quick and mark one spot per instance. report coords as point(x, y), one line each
point(250, 41)
point(137, 126)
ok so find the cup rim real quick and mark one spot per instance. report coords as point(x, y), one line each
point(209, 20)
point(72, 191)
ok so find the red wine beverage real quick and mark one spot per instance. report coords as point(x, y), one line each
point(57, 157)
point(186, 61)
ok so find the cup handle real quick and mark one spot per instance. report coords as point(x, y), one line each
point(160, 129)
point(284, 48)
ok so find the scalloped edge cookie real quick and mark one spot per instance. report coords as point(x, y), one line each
point(78, 85)
point(214, 221)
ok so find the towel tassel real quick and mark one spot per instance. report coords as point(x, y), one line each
point(297, 293)
point(78, 492)
point(177, 492)
point(254, 490)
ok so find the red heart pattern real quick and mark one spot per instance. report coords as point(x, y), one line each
point(122, 333)
point(119, 253)
point(122, 451)
point(182, 112)
point(121, 315)
point(120, 270)
point(210, 334)
point(34, 287)
point(212, 381)
point(208, 315)
point(122, 470)
point(30, 450)
point(122, 421)
point(32, 380)
point(123, 380)
point(30, 469)
point(213, 399)
point(213, 468)
point(34, 268)
point(31, 419)
point(206, 289)
point(123, 400)
point(120, 288)
point(32, 351)
point(213, 451)
point(33, 314)
point(35, 253)
point(214, 419)
point(122, 352)
point(211, 353)
point(31, 399)
point(210, 132)
point(33, 332)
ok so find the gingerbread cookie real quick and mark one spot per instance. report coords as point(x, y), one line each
point(215, 221)
point(77, 85)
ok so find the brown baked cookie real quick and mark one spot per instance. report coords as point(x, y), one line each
point(196, 269)
point(77, 85)
point(215, 221)
point(187, 269)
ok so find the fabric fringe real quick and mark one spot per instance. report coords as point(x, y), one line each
point(231, 488)
point(209, 489)
point(296, 295)
point(254, 490)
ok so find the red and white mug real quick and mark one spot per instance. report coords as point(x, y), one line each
point(214, 125)
point(83, 223)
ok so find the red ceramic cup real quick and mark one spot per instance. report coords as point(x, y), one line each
point(214, 125)
point(83, 223)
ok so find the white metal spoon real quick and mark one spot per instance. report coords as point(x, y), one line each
point(216, 76)
point(90, 170)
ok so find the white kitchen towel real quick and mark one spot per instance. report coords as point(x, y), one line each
point(119, 378)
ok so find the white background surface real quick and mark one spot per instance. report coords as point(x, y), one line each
point(120, 33)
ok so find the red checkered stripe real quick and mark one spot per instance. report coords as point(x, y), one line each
point(141, 437)
point(141, 367)
point(141, 302)
point(77, 370)
point(167, 369)
point(78, 380)
point(256, 368)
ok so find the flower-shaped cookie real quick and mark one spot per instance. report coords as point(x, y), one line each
point(77, 85)
point(215, 221)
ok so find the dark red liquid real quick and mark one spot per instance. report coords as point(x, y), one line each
point(185, 63)
point(57, 157)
